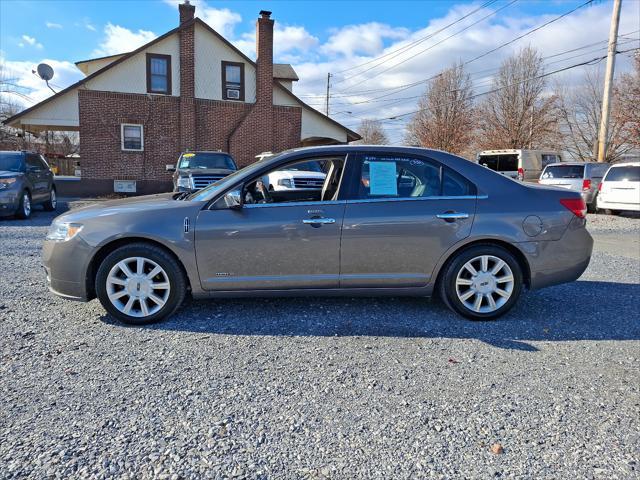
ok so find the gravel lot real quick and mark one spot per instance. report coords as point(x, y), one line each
point(324, 388)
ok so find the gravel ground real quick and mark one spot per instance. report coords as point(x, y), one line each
point(324, 388)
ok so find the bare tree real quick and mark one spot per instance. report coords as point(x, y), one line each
point(517, 114)
point(579, 111)
point(10, 91)
point(445, 118)
point(627, 93)
point(372, 133)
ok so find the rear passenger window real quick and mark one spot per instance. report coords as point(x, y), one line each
point(404, 177)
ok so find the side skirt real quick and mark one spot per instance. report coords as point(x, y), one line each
point(425, 291)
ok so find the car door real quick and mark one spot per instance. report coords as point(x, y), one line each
point(37, 177)
point(395, 230)
point(270, 246)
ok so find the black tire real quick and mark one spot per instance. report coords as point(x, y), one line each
point(23, 212)
point(51, 204)
point(447, 281)
point(591, 207)
point(176, 278)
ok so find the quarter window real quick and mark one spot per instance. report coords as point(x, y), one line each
point(132, 137)
point(232, 81)
point(158, 73)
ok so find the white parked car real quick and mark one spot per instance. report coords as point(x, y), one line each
point(620, 188)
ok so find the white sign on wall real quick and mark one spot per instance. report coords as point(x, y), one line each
point(124, 186)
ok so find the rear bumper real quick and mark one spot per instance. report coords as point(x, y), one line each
point(605, 205)
point(560, 261)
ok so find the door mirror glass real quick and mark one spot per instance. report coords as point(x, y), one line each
point(232, 200)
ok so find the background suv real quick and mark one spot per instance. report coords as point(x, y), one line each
point(620, 189)
point(25, 180)
point(583, 177)
point(196, 170)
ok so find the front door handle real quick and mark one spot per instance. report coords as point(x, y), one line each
point(452, 216)
point(318, 221)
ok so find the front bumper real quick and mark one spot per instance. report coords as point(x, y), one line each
point(66, 267)
point(9, 201)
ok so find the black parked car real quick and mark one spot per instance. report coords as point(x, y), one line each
point(25, 180)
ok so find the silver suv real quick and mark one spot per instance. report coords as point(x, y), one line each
point(25, 180)
point(583, 177)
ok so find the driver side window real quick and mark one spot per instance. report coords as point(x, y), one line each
point(309, 180)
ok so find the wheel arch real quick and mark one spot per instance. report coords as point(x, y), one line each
point(511, 248)
point(114, 244)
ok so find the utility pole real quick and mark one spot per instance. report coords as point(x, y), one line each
point(608, 82)
point(326, 108)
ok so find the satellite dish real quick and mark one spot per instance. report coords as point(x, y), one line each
point(45, 72)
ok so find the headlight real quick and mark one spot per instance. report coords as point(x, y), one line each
point(184, 182)
point(61, 232)
point(286, 182)
point(6, 182)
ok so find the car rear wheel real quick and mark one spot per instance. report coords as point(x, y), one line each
point(51, 204)
point(482, 282)
point(24, 207)
point(140, 284)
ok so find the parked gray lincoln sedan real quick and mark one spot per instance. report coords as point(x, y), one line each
point(388, 221)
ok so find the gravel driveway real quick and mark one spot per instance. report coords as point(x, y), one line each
point(324, 388)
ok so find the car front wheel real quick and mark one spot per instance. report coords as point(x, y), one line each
point(24, 206)
point(482, 282)
point(140, 284)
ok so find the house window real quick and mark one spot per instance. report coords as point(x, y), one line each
point(132, 137)
point(232, 81)
point(158, 73)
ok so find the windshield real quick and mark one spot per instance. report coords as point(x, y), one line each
point(206, 160)
point(11, 161)
point(563, 171)
point(623, 174)
point(208, 192)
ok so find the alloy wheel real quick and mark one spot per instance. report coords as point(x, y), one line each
point(26, 204)
point(53, 199)
point(138, 287)
point(484, 284)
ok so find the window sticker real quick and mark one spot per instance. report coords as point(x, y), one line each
point(382, 178)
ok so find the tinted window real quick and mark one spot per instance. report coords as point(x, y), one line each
point(598, 171)
point(33, 161)
point(206, 160)
point(623, 174)
point(306, 167)
point(10, 161)
point(563, 171)
point(500, 163)
point(397, 177)
point(455, 185)
point(547, 159)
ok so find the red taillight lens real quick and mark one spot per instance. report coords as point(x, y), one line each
point(576, 205)
point(521, 173)
point(586, 185)
point(600, 187)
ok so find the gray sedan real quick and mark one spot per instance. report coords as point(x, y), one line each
point(388, 221)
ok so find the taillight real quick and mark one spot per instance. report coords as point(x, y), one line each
point(521, 173)
point(576, 205)
point(586, 185)
point(600, 187)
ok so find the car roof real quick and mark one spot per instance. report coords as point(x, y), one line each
point(557, 164)
point(626, 164)
point(208, 151)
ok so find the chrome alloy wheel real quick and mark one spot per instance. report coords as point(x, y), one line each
point(53, 199)
point(484, 284)
point(26, 204)
point(138, 287)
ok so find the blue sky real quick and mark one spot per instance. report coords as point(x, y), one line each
point(317, 37)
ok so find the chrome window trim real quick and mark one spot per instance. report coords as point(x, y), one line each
point(367, 200)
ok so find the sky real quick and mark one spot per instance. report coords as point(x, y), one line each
point(373, 49)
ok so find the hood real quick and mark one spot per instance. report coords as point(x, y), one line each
point(132, 205)
point(204, 171)
point(9, 174)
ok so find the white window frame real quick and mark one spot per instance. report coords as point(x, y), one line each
point(122, 126)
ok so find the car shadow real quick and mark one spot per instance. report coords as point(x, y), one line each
point(583, 310)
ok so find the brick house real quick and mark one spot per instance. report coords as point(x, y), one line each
point(189, 89)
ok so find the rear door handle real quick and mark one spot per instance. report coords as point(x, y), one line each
point(452, 216)
point(318, 221)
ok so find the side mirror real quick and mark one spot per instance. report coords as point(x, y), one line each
point(232, 200)
point(170, 168)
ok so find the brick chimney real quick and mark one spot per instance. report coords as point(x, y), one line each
point(187, 11)
point(264, 61)
point(187, 78)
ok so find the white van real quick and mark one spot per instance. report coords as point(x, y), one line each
point(523, 165)
point(620, 188)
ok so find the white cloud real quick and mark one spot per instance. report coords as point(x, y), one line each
point(222, 20)
point(286, 39)
point(88, 26)
point(53, 25)
point(65, 74)
point(121, 40)
point(27, 40)
point(366, 38)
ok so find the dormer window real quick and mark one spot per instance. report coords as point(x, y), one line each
point(232, 81)
point(158, 73)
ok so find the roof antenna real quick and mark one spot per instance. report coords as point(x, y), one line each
point(45, 72)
